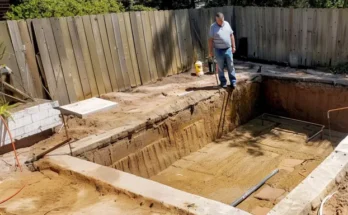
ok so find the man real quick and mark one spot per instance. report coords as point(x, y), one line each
point(221, 39)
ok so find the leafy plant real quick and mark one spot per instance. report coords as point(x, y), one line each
point(31, 9)
point(140, 7)
point(5, 110)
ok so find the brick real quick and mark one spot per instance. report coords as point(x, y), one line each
point(43, 114)
point(45, 106)
point(32, 127)
point(53, 112)
point(27, 120)
point(19, 131)
point(18, 115)
point(32, 110)
point(11, 124)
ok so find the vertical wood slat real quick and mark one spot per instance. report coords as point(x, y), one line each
point(177, 63)
point(87, 61)
point(82, 72)
point(132, 49)
point(156, 44)
point(114, 52)
point(162, 69)
point(149, 44)
point(31, 60)
point(93, 54)
point(170, 52)
point(100, 54)
point(24, 76)
point(126, 50)
point(50, 61)
point(140, 47)
point(119, 44)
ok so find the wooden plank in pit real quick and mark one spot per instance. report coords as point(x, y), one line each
point(139, 41)
point(107, 53)
point(114, 52)
point(82, 72)
point(63, 59)
point(117, 33)
point(150, 48)
point(82, 39)
point(132, 49)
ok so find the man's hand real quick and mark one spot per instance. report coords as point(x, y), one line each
point(233, 50)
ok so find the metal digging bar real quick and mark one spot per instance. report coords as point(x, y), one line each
point(328, 116)
point(297, 120)
point(253, 189)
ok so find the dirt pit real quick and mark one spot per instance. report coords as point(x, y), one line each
point(224, 170)
point(48, 193)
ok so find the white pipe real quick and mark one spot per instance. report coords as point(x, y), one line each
point(321, 208)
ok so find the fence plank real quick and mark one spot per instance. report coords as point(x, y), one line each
point(31, 60)
point(119, 44)
point(114, 52)
point(188, 38)
point(139, 41)
point(82, 73)
point(181, 39)
point(309, 50)
point(160, 46)
point(100, 53)
point(93, 54)
point(23, 75)
point(126, 52)
point(133, 56)
point(87, 61)
point(177, 61)
point(156, 44)
point(150, 49)
point(170, 52)
point(50, 61)
point(71, 58)
point(333, 39)
point(107, 53)
point(63, 60)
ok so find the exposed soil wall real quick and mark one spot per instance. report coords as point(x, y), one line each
point(306, 101)
point(156, 146)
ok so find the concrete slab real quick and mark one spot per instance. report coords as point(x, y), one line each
point(135, 186)
point(86, 107)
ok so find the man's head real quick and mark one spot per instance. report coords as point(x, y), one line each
point(219, 17)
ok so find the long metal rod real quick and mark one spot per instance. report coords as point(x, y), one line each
point(301, 121)
point(253, 189)
point(328, 116)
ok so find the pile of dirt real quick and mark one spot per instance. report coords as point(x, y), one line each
point(338, 204)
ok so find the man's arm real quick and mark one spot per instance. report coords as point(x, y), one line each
point(233, 43)
point(210, 46)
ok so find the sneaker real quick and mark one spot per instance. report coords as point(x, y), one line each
point(233, 86)
point(223, 85)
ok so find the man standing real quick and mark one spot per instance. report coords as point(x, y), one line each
point(222, 40)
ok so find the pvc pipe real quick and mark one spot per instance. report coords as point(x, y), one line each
point(253, 189)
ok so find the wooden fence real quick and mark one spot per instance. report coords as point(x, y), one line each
point(81, 57)
point(318, 37)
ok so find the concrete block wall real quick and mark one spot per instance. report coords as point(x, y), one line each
point(30, 121)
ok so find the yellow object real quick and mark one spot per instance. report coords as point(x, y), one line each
point(199, 68)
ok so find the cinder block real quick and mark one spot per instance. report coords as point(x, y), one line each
point(45, 106)
point(43, 114)
point(33, 110)
point(18, 115)
point(11, 124)
point(32, 127)
point(19, 131)
point(53, 112)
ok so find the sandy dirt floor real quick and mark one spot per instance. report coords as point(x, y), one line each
point(226, 169)
point(48, 193)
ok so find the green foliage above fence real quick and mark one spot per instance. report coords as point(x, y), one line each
point(141, 8)
point(30, 9)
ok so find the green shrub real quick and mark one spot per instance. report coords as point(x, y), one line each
point(341, 68)
point(30, 9)
point(140, 7)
